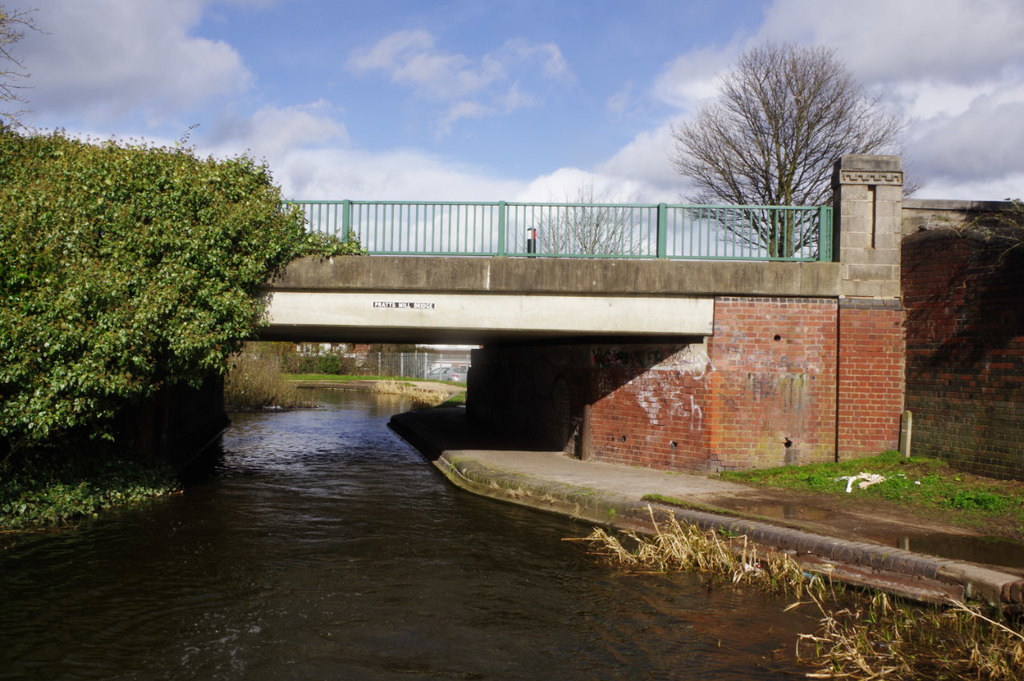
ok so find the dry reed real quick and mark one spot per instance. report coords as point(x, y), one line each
point(256, 381)
point(421, 397)
point(882, 638)
point(859, 636)
point(675, 546)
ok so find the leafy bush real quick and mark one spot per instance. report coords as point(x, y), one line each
point(328, 245)
point(55, 490)
point(124, 268)
point(335, 363)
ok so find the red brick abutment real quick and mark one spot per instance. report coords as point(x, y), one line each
point(782, 380)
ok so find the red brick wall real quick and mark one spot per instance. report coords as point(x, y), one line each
point(773, 391)
point(762, 391)
point(632, 404)
point(965, 350)
point(871, 377)
point(648, 406)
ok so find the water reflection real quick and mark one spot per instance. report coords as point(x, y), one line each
point(985, 550)
point(327, 548)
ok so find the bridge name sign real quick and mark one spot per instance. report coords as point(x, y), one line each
point(392, 305)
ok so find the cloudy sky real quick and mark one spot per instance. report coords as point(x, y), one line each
point(508, 99)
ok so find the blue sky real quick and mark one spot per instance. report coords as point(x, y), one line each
point(513, 100)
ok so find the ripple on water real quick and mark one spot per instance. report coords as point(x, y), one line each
point(324, 547)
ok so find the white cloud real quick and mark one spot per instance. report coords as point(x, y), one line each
point(308, 149)
point(622, 102)
point(110, 58)
point(929, 98)
point(954, 69)
point(405, 175)
point(1008, 187)
point(386, 53)
point(647, 161)
point(411, 59)
point(272, 131)
point(982, 144)
point(468, 87)
point(553, 64)
point(565, 185)
point(460, 110)
point(694, 76)
point(886, 41)
point(515, 98)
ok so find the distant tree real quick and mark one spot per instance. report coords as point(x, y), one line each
point(12, 25)
point(587, 224)
point(771, 135)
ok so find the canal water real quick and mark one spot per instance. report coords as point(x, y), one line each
point(324, 547)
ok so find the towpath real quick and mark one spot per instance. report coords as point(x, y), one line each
point(854, 546)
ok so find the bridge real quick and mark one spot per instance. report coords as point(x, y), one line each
point(653, 335)
point(487, 299)
point(544, 270)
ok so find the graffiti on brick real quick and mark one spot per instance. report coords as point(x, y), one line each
point(696, 415)
point(762, 386)
point(740, 357)
point(692, 360)
point(665, 403)
point(792, 387)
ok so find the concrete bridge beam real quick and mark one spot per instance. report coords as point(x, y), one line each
point(487, 300)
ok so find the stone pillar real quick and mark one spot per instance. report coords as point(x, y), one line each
point(867, 202)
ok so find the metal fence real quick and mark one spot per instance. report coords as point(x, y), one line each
point(576, 230)
point(443, 365)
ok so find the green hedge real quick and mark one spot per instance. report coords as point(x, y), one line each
point(124, 268)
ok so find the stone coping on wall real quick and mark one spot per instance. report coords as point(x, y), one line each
point(929, 214)
point(954, 204)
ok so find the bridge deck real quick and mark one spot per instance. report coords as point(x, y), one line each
point(476, 300)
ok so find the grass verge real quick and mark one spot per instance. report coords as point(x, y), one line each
point(454, 400)
point(351, 378)
point(421, 397)
point(922, 484)
point(859, 636)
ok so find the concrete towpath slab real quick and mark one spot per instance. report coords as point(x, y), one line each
point(632, 498)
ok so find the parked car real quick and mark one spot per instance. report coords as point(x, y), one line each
point(448, 373)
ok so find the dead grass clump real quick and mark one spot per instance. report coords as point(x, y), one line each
point(679, 547)
point(882, 638)
point(860, 636)
point(421, 397)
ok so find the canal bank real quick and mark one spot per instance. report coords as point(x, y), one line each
point(844, 543)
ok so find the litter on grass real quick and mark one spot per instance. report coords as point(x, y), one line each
point(863, 480)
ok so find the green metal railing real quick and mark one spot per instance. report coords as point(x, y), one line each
point(575, 230)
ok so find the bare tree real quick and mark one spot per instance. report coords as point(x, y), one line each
point(12, 25)
point(587, 224)
point(770, 137)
